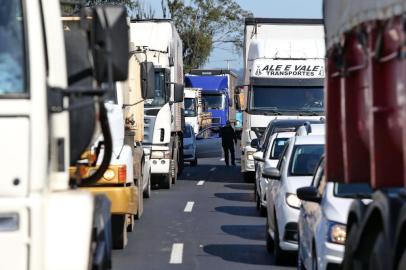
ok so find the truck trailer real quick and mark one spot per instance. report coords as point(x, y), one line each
point(217, 92)
point(366, 125)
point(158, 42)
point(196, 113)
point(283, 76)
point(50, 77)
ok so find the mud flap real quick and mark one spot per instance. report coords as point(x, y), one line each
point(102, 238)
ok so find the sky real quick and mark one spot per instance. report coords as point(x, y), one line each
point(260, 8)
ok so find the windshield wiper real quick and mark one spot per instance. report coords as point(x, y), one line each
point(268, 111)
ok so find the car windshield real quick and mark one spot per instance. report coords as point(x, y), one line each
point(187, 132)
point(214, 101)
point(277, 147)
point(359, 190)
point(287, 99)
point(305, 159)
point(12, 49)
point(190, 107)
point(161, 96)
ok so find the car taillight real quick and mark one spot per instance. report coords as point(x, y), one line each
point(122, 174)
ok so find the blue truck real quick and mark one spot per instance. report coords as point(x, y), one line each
point(217, 93)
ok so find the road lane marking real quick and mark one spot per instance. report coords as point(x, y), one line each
point(189, 206)
point(222, 159)
point(176, 254)
point(213, 169)
point(200, 183)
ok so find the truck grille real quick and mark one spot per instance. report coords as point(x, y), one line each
point(216, 120)
point(149, 124)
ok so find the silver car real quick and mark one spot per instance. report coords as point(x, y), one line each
point(322, 220)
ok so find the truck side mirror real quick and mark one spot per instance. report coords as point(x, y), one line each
point(178, 92)
point(254, 143)
point(309, 194)
point(110, 43)
point(237, 101)
point(147, 80)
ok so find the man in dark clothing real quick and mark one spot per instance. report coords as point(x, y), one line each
point(228, 138)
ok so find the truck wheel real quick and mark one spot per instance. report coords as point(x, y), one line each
point(119, 231)
point(147, 192)
point(375, 259)
point(402, 261)
point(348, 260)
point(262, 210)
point(248, 177)
point(167, 181)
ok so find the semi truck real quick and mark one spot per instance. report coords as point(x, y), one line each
point(158, 42)
point(366, 125)
point(50, 79)
point(283, 76)
point(217, 92)
point(195, 110)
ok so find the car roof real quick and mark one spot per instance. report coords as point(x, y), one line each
point(312, 129)
point(290, 124)
point(311, 139)
point(284, 134)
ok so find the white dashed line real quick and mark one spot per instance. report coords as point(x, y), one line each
point(189, 207)
point(213, 169)
point(222, 159)
point(200, 183)
point(176, 254)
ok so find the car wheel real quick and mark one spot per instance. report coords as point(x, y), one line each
point(147, 191)
point(279, 254)
point(269, 240)
point(262, 210)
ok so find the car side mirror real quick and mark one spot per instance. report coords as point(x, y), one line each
point(309, 194)
point(258, 156)
point(272, 173)
point(255, 143)
point(110, 43)
point(147, 80)
point(178, 92)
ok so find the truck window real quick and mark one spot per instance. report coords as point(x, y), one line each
point(187, 132)
point(190, 107)
point(160, 97)
point(287, 99)
point(12, 49)
point(214, 101)
point(305, 159)
point(354, 191)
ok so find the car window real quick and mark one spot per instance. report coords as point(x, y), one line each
point(283, 157)
point(187, 132)
point(304, 159)
point(277, 147)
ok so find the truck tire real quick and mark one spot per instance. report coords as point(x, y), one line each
point(166, 181)
point(119, 231)
point(402, 261)
point(375, 259)
point(248, 177)
point(348, 260)
point(131, 223)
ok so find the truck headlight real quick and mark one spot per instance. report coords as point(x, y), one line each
point(337, 233)
point(158, 154)
point(109, 174)
point(250, 155)
point(293, 201)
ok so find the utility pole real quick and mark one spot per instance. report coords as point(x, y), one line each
point(228, 62)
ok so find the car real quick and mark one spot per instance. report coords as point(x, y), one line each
point(269, 157)
point(322, 220)
point(294, 170)
point(189, 145)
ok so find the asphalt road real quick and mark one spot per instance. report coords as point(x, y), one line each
point(213, 225)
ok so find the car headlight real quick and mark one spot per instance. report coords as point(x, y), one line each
point(250, 155)
point(109, 174)
point(293, 201)
point(161, 154)
point(337, 233)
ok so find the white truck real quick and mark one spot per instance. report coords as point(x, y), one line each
point(47, 84)
point(283, 77)
point(157, 41)
point(196, 113)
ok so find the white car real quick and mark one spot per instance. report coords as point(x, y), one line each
point(323, 219)
point(294, 170)
point(189, 145)
point(269, 157)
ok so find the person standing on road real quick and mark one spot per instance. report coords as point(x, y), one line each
point(228, 139)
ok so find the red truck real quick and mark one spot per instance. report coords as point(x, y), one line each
point(366, 124)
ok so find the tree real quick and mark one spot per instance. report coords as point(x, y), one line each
point(207, 24)
point(136, 8)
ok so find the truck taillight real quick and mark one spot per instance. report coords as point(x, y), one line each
point(122, 174)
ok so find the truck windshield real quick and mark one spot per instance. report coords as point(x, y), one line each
point(161, 97)
point(214, 101)
point(190, 107)
point(287, 99)
point(359, 190)
point(305, 159)
point(12, 50)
